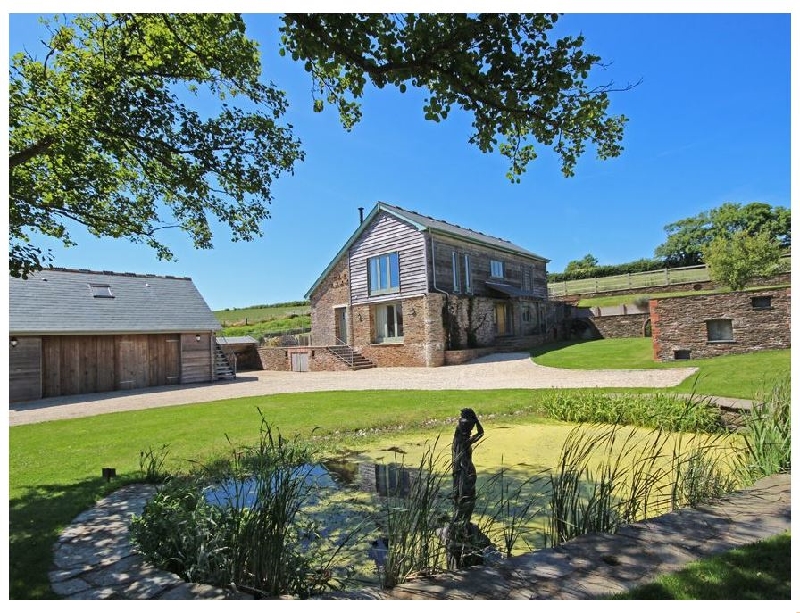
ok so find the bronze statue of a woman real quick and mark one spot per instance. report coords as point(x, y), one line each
point(461, 531)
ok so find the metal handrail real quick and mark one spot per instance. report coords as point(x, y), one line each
point(341, 343)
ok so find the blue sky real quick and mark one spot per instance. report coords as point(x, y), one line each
point(709, 123)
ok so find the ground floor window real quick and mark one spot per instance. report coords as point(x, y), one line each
point(719, 329)
point(388, 323)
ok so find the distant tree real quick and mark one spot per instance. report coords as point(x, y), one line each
point(688, 238)
point(583, 266)
point(104, 132)
point(734, 260)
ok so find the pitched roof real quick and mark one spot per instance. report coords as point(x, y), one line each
point(429, 224)
point(424, 222)
point(65, 301)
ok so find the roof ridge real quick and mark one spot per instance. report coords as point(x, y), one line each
point(450, 223)
point(112, 273)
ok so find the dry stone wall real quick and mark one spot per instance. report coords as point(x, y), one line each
point(681, 329)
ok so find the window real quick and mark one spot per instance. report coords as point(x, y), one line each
point(497, 269)
point(719, 330)
point(461, 272)
point(389, 323)
point(527, 279)
point(761, 302)
point(384, 274)
point(101, 290)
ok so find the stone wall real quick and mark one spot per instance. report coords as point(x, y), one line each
point(620, 326)
point(274, 358)
point(680, 324)
point(462, 356)
point(333, 292)
point(279, 358)
point(423, 334)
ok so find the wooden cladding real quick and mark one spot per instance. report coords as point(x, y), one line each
point(389, 235)
point(25, 368)
point(66, 365)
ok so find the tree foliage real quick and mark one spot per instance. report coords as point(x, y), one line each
point(102, 132)
point(736, 259)
point(517, 85)
point(105, 131)
point(688, 238)
point(581, 268)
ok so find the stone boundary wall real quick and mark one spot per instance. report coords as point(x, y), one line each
point(679, 324)
point(279, 358)
point(462, 356)
point(620, 326)
point(274, 358)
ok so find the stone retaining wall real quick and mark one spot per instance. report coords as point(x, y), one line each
point(681, 325)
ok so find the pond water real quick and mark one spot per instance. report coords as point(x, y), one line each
point(335, 474)
point(354, 487)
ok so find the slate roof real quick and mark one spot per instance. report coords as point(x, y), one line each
point(424, 223)
point(236, 340)
point(62, 301)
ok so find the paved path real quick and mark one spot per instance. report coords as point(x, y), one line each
point(93, 558)
point(496, 371)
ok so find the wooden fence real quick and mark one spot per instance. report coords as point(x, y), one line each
point(637, 280)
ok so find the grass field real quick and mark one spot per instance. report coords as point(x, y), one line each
point(255, 314)
point(258, 321)
point(606, 301)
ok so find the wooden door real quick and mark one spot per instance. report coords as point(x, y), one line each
point(340, 314)
point(300, 362)
point(173, 359)
point(502, 318)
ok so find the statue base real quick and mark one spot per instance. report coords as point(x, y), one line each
point(466, 546)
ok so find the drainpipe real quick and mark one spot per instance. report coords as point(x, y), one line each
point(438, 289)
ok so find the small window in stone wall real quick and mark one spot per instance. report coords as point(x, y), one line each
point(761, 302)
point(719, 330)
point(682, 354)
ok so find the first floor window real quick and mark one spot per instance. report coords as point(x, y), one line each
point(389, 323)
point(461, 272)
point(496, 269)
point(527, 279)
point(384, 274)
point(719, 329)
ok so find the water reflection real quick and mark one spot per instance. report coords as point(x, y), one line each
point(392, 479)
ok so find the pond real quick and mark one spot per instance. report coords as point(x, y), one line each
point(356, 501)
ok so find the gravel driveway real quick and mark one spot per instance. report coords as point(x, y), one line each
point(496, 371)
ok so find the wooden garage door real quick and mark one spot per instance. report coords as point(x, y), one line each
point(88, 364)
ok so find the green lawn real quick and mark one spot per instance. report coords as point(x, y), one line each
point(746, 573)
point(606, 301)
point(55, 467)
point(734, 376)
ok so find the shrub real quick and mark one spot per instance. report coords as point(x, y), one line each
point(767, 432)
point(672, 412)
point(254, 535)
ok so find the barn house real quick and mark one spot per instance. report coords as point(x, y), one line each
point(83, 331)
point(410, 290)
